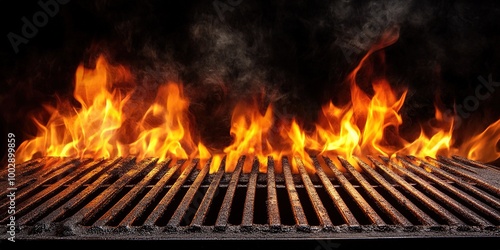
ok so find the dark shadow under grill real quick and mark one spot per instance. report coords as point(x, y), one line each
point(180, 199)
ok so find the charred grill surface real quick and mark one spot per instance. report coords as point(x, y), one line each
point(373, 197)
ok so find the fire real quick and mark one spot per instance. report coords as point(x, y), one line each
point(249, 129)
point(258, 136)
point(484, 146)
point(99, 128)
point(91, 130)
point(360, 127)
point(348, 132)
point(368, 125)
point(165, 126)
point(438, 143)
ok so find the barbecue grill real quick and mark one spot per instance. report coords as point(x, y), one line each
point(311, 81)
point(179, 199)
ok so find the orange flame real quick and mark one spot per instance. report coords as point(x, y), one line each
point(436, 142)
point(484, 146)
point(249, 129)
point(165, 126)
point(258, 136)
point(90, 131)
point(97, 129)
point(367, 125)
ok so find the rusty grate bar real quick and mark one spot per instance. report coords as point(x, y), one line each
point(272, 198)
point(176, 218)
point(248, 209)
point(222, 220)
point(436, 193)
point(313, 195)
point(54, 171)
point(45, 194)
point(118, 208)
point(62, 212)
point(480, 206)
point(27, 167)
point(382, 203)
point(473, 178)
point(362, 203)
point(98, 203)
point(489, 199)
point(455, 164)
point(201, 213)
point(423, 217)
point(22, 170)
point(138, 213)
point(438, 209)
point(120, 197)
point(298, 211)
point(160, 208)
point(341, 206)
point(472, 162)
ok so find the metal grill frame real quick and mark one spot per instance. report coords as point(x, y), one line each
point(406, 197)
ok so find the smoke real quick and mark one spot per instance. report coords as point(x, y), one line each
point(358, 25)
point(226, 62)
point(293, 54)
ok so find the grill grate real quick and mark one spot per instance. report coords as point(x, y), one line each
point(179, 199)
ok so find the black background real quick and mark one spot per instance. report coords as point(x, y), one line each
point(388, 243)
point(289, 48)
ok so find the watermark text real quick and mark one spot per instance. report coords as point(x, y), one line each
point(11, 187)
point(40, 19)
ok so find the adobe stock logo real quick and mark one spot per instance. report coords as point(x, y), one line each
point(29, 29)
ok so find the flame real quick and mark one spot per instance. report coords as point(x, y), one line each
point(249, 129)
point(437, 142)
point(483, 146)
point(89, 131)
point(165, 126)
point(347, 132)
point(297, 138)
point(102, 126)
point(359, 128)
point(99, 129)
point(258, 136)
point(336, 131)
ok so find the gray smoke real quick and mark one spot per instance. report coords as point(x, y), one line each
point(359, 25)
point(295, 54)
